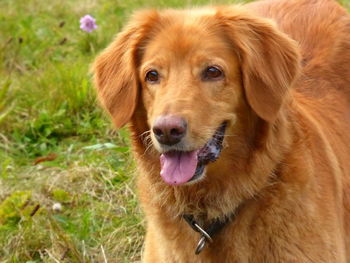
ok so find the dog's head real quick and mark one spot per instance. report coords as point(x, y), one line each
point(196, 73)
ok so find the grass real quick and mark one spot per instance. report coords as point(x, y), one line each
point(57, 147)
point(56, 144)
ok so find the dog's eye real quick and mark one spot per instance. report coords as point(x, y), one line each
point(212, 73)
point(152, 76)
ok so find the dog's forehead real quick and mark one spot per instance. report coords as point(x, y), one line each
point(188, 22)
point(190, 14)
point(185, 32)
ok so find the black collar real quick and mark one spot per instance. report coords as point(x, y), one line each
point(208, 233)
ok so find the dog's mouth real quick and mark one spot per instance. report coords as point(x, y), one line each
point(181, 167)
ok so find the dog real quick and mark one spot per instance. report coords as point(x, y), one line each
point(240, 124)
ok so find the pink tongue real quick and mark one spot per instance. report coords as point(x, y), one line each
point(178, 167)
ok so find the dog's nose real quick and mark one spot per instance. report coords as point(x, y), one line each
point(169, 129)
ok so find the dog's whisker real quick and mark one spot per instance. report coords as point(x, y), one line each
point(148, 148)
point(147, 139)
point(148, 145)
point(145, 133)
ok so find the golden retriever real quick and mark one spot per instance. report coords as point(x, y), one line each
point(240, 125)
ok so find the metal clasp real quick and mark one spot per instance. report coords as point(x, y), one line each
point(201, 245)
point(204, 238)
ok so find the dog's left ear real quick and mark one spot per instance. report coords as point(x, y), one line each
point(115, 69)
point(269, 60)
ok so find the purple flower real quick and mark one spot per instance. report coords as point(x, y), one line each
point(88, 23)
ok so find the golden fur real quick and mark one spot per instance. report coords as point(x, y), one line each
point(286, 156)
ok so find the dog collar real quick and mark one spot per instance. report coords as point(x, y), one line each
point(207, 234)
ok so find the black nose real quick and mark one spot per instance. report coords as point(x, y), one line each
point(169, 129)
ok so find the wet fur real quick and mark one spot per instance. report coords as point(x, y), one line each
point(286, 155)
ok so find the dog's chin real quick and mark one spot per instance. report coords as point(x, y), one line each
point(185, 167)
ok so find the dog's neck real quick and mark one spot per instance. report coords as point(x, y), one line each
point(242, 171)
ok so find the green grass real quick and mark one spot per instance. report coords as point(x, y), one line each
point(48, 108)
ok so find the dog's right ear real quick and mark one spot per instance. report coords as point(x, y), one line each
point(115, 69)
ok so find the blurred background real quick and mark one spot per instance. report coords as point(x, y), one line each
point(66, 176)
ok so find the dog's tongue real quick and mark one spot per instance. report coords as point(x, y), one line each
point(178, 167)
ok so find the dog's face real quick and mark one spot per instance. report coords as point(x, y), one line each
point(194, 72)
point(190, 88)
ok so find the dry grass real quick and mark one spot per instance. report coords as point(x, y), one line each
point(99, 220)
